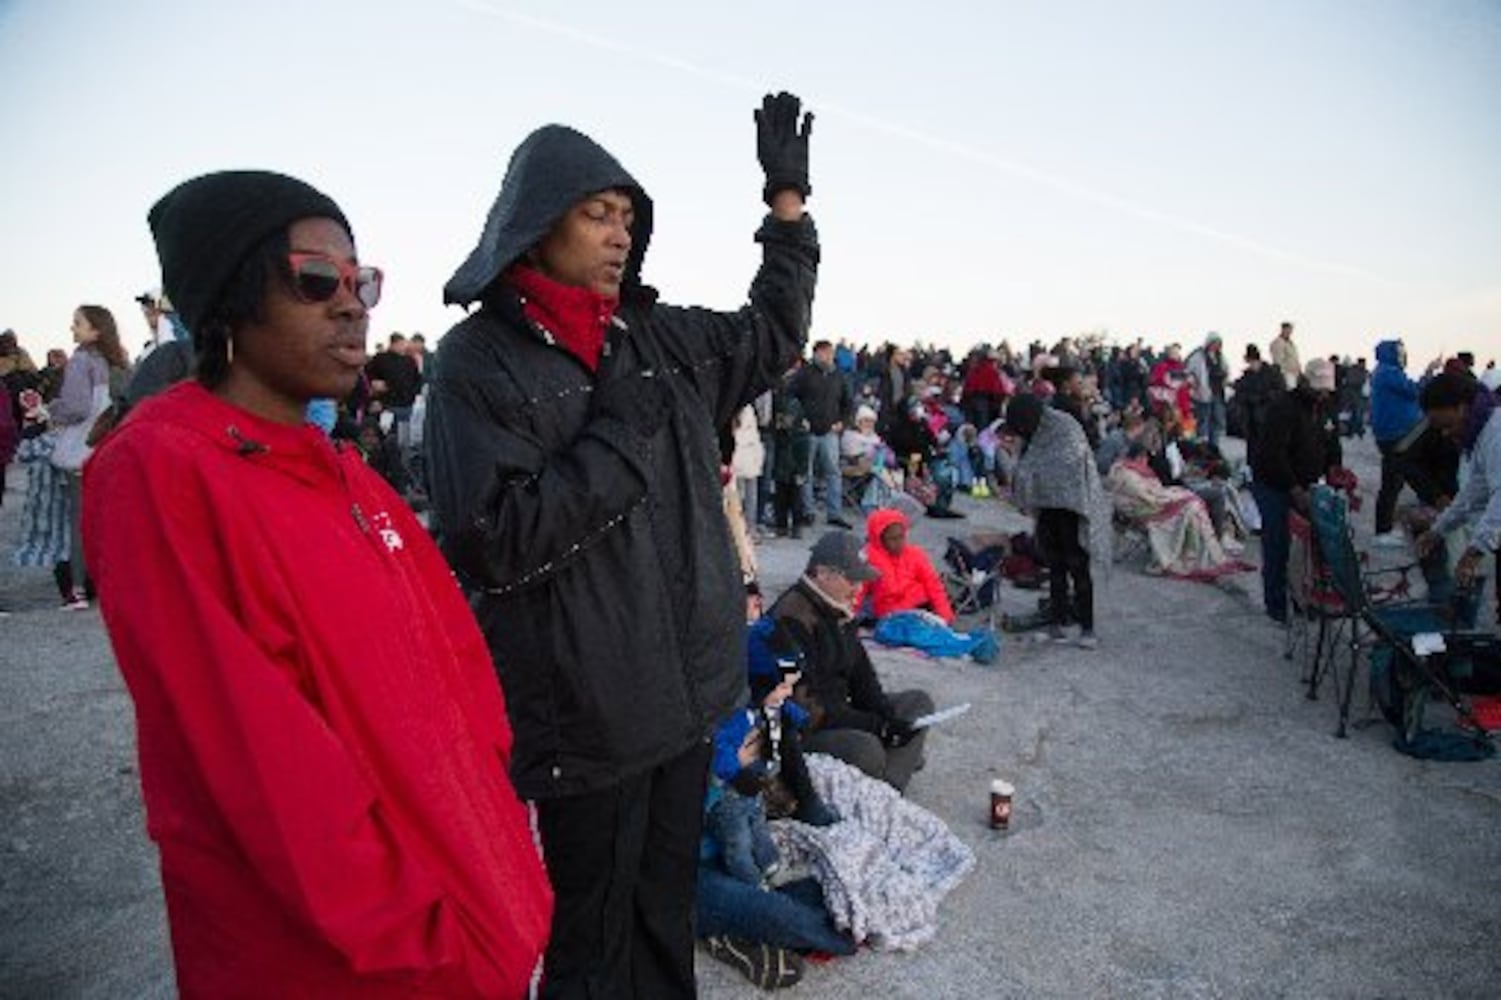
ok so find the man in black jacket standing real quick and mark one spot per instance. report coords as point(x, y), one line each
point(1296, 445)
point(574, 466)
point(825, 395)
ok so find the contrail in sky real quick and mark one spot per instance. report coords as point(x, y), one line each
point(962, 150)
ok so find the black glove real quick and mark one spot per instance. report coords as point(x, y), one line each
point(896, 732)
point(781, 147)
point(641, 402)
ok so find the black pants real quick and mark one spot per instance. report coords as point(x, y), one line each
point(624, 865)
point(858, 748)
point(788, 505)
point(1067, 561)
point(1391, 485)
point(1430, 466)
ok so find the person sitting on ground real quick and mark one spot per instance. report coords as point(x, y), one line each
point(1072, 398)
point(1119, 443)
point(758, 772)
point(1056, 478)
point(907, 581)
point(930, 477)
point(852, 717)
point(863, 454)
point(1181, 537)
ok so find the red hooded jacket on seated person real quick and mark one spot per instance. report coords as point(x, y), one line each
point(908, 580)
point(323, 743)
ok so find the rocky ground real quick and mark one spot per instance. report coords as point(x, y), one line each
point(1186, 823)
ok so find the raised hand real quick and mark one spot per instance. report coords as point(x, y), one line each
point(781, 146)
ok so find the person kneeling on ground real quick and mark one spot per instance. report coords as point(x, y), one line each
point(852, 718)
point(907, 580)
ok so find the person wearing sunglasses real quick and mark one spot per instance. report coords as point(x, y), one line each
point(574, 468)
point(322, 739)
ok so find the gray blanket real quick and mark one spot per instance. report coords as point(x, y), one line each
point(884, 867)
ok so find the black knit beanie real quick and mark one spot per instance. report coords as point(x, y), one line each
point(206, 227)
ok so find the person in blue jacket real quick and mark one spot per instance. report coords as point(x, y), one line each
point(757, 756)
point(1396, 423)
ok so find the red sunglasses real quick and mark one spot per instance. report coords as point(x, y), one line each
point(318, 278)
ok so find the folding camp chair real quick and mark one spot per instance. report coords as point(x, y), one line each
point(1316, 613)
point(1130, 538)
point(1320, 621)
point(1393, 625)
point(972, 580)
point(854, 481)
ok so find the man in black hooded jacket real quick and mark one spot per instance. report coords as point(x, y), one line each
point(570, 436)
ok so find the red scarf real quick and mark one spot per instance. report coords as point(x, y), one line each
point(575, 317)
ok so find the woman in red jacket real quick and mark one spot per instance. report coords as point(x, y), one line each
point(908, 581)
point(322, 739)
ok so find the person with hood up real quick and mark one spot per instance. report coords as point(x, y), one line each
point(575, 489)
point(1396, 424)
point(1297, 446)
point(1056, 480)
point(907, 580)
point(323, 764)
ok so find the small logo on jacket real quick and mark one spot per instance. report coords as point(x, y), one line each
point(381, 522)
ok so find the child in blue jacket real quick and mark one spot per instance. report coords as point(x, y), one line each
point(757, 757)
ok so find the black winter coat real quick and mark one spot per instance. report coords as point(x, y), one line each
point(1297, 443)
point(825, 396)
point(599, 562)
point(839, 687)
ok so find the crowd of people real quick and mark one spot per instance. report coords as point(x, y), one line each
point(519, 756)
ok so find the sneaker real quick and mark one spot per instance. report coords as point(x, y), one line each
point(766, 966)
point(1389, 540)
point(78, 603)
point(1087, 640)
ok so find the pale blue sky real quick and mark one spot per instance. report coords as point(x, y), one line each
point(980, 169)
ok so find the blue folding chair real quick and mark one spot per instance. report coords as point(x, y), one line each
point(1390, 626)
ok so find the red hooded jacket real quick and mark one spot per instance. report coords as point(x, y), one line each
point(323, 743)
point(907, 581)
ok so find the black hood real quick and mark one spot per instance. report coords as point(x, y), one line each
point(551, 171)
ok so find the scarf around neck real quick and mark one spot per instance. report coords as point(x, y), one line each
point(575, 317)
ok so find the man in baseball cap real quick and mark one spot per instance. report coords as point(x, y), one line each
point(852, 717)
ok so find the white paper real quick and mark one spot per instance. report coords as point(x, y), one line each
point(1428, 643)
point(943, 715)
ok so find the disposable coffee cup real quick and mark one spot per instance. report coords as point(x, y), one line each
point(1000, 804)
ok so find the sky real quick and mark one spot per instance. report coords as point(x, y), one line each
point(981, 171)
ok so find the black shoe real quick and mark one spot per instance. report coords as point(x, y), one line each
point(796, 532)
point(766, 966)
point(835, 521)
